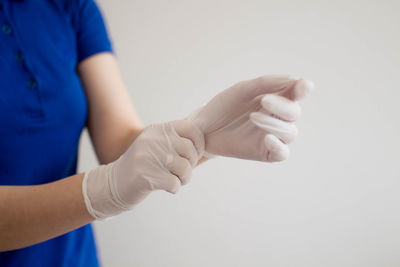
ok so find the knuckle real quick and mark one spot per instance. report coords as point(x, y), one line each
point(188, 144)
point(169, 159)
point(186, 171)
point(187, 168)
point(186, 178)
point(186, 125)
point(190, 150)
point(185, 165)
point(175, 186)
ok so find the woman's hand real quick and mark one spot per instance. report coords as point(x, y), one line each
point(160, 158)
point(253, 119)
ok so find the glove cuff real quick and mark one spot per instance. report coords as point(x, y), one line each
point(101, 199)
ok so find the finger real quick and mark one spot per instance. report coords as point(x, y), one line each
point(298, 90)
point(281, 107)
point(185, 148)
point(267, 84)
point(180, 167)
point(163, 180)
point(301, 89)
point(286, 131)
point(277, 151)
point(172, 184)
point(187, 129)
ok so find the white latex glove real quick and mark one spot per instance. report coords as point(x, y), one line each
point(253, 119)
point(160, 158)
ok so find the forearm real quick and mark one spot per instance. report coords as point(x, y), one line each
point(108, 144)
point(112, 120)
point(32, 214)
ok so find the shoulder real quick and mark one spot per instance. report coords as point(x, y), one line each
point(68, 7)
point(73, 10)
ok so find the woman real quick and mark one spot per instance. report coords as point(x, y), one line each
point(59, 75)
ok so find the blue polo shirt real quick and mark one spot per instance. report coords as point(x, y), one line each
point(43, 108)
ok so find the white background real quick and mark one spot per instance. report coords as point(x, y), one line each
point(335, 202)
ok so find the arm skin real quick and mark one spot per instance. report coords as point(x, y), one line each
point(112, 123)
point(32, 214)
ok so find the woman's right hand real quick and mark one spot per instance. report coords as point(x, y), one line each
point(161, 158)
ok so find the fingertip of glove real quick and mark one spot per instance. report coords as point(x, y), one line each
point(310, 84)
point(302, 88)
point(293, 77)
point(277, 151)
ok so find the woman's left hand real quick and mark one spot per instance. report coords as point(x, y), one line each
point(253, 119)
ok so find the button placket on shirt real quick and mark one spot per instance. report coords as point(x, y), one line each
point(32, 83)
point(19, 56)
point(6, 28)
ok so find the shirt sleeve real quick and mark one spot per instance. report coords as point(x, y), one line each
point(91, 32)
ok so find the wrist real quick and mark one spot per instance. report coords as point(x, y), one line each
point(199, 123)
